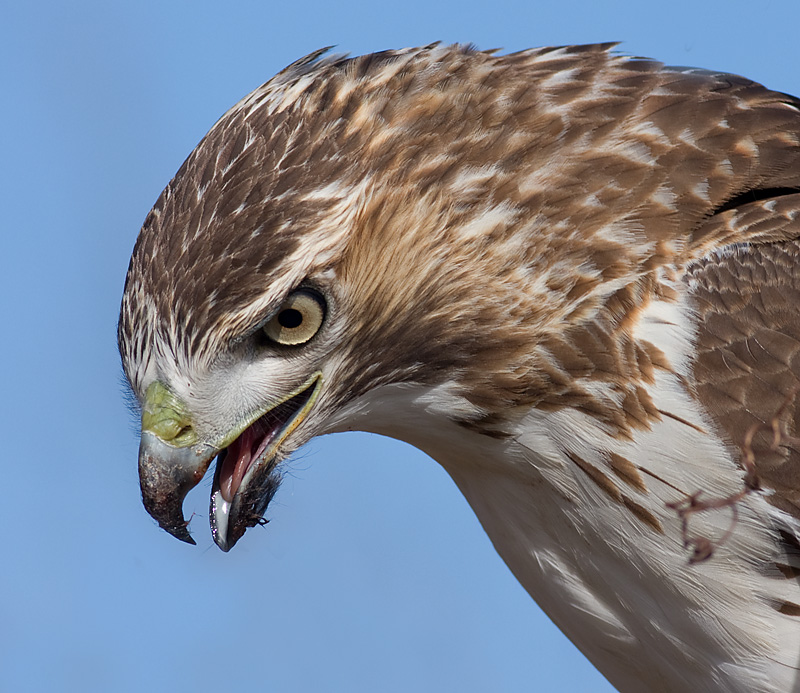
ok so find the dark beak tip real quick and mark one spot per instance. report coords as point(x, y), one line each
point(166, 475)
point(182, 534)
point(172, 523)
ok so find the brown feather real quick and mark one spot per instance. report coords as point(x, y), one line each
point(748, 353)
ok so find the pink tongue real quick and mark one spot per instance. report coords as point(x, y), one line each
point(237, 462)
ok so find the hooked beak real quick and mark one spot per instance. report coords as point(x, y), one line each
point(172, 461)
point(166, 475)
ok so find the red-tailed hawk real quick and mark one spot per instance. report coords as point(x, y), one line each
point(569, 276)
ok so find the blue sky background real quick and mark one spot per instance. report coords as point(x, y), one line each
point(373, 574)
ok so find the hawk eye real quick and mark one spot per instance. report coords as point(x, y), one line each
point(297, 320)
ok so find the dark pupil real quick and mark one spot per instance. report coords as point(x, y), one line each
point(290, 318)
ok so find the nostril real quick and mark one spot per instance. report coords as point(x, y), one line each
point(185, 436)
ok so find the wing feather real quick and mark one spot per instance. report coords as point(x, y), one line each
point(747, 369)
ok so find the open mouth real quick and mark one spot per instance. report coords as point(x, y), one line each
point(247, 459)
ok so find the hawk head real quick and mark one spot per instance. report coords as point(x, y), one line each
point(403, 239)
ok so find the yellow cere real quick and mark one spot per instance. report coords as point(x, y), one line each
point(166, 416)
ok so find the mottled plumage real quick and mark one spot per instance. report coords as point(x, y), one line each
point(569, 276)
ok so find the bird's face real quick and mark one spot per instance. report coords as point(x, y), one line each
point(256, 402)
point(243, 335)
point(283, 364)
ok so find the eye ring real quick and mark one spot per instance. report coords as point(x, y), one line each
point(297, 320)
